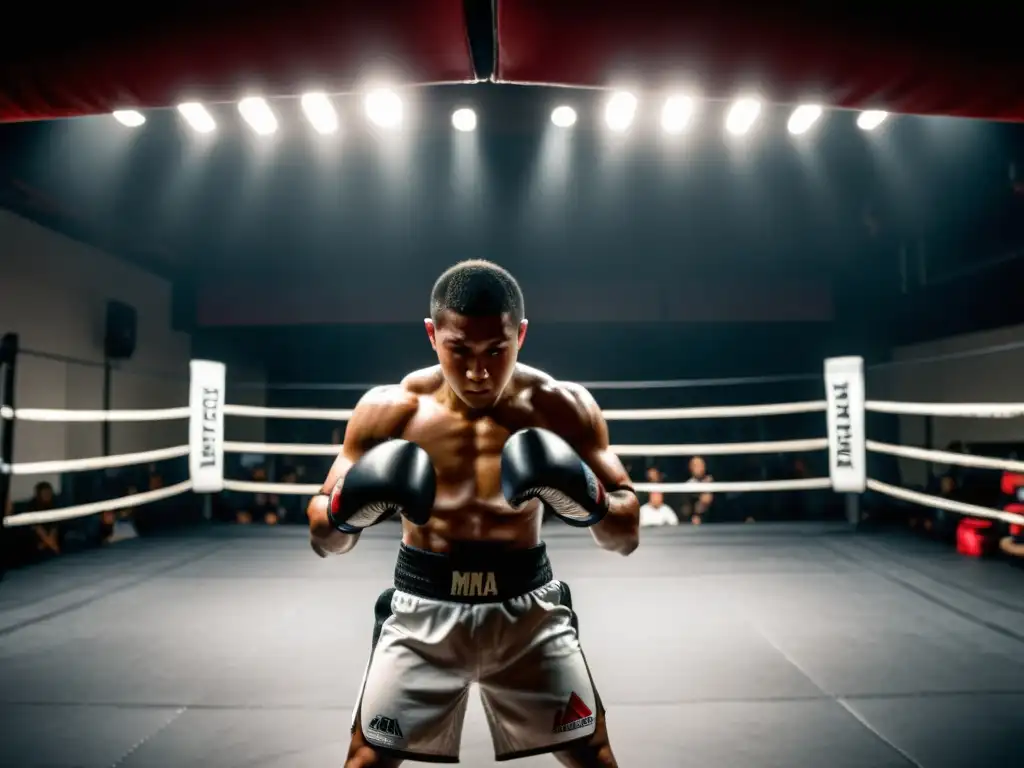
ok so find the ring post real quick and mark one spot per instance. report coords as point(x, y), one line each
point(847, 454)
point(206, 426)
point(8, 356)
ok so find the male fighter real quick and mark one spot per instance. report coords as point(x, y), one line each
point(467, 452)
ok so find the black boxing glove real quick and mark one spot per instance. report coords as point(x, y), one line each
point(538, 464)
point(395, 476)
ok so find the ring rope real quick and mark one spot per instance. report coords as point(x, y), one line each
point(636, 414)
point(937, 502)
point(96, 462)
point(287, 449)
point(710, 449)
point(321, 414)
point(730, 381)
point(802, 484)
point(722, 449)
point(946, 457)
point(809, 484)
point(84, 510)
point(281, 489)
point(713, 412)
point(959, 410)
point(63, 414)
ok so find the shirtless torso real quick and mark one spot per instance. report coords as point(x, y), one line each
point(465, 447)
point(521, 696)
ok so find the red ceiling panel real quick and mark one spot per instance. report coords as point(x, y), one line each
point(96, 58)
point(914, 59)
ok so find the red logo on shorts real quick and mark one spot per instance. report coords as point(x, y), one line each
point(575, 715)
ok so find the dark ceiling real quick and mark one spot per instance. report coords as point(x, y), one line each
point(175, 201)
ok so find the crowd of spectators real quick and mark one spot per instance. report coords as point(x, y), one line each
point(32, 543)
point(980, 487)
point(47, 540)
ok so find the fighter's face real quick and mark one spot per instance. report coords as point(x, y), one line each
point(477, 354)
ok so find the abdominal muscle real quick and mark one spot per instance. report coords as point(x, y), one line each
point(469, 505)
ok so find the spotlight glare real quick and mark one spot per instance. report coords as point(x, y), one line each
point(258, 115)
point(871, 119)
point(563, 117)
point(676, 113)
point(129, 117)
point(742, 116)
point(320, 112)
point(620, 111)
point(384, 108)
point(464, 120)
point(803, 118)
point(195, 115)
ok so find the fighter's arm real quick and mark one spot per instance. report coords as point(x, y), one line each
point(381, 414)
point(571, 412)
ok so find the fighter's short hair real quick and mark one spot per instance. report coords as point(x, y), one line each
point(477, 288)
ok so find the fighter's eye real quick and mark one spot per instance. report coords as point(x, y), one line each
point(495, 352)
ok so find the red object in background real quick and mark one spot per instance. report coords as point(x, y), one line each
point(963, 63)
point(972, 537)
point(1015, 530)
point(94, 58)
point(1010, 483)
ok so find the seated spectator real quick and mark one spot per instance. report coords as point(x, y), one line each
point(290, 507)
point(48, 534)
point(697, 505)
point(657, 512)
point(261, 507)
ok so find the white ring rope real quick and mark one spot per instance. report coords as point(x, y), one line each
point(937, 502)
point(810, 484)
point(97, 462)
point(281, 489)
point(63, 414)
point(957, 410)
point(321, 414)
point(635, 414)
point(946, 457)
point(286, 449)
point(722, 449)
point(699, 449)
point(83, 510)
point(802, 484)
point(713, 412)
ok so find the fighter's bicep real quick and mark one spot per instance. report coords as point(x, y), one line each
point(593, 440)
point(380, 415)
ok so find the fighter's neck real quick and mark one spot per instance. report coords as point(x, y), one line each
point(447, 397)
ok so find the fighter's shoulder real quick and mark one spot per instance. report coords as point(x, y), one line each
point(564, 402)
point(384, 410)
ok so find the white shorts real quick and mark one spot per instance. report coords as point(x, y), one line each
point(503, 623)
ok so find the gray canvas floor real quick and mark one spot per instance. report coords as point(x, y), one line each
point(722, 646)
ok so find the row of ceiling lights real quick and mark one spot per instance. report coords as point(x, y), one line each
point(384, 108)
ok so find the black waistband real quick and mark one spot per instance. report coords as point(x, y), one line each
point(474, 573)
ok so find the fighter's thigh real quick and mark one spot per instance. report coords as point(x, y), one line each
point(409, 703)
point(543, 696)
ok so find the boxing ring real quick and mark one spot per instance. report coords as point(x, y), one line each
point(781, 644)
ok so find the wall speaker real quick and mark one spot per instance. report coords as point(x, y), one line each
point(119, 342)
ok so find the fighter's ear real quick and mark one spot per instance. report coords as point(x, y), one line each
point(522, 331)
point(431, 332)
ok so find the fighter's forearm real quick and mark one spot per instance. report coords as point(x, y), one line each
point(619, 531)
point(324, 538)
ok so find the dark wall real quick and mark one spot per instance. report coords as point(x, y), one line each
point(580, 351)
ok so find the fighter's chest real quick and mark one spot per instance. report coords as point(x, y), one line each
point(459, 445)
